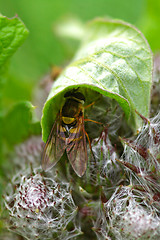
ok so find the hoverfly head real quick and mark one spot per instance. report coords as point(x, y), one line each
point(74, 94)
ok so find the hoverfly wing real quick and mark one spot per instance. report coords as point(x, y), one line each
point(77, 150)
point(54, 147)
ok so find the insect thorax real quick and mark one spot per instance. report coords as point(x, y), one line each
point(72, 109)
point(71, 112)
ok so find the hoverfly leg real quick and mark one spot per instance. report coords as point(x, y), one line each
point(89, 144)
point(90, 120)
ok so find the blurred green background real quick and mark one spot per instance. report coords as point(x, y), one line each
point(44, 48)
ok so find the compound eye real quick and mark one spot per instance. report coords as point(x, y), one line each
point(79, 96)
point(68, 94)
point(75, 94)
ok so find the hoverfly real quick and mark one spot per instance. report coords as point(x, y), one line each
point(68, 134)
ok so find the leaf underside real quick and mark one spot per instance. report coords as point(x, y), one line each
point(115, 60)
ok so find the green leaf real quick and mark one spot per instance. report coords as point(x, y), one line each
point(114, 60)
point(12, 34)
point(18, 123)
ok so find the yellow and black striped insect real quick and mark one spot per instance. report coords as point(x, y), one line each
point(68, 134)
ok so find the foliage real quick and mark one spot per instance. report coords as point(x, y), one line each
point(12, 35)
point(114, 60)
point(20, 117)
point(121, 185)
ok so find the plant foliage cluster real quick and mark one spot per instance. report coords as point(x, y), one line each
point(121, 186)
